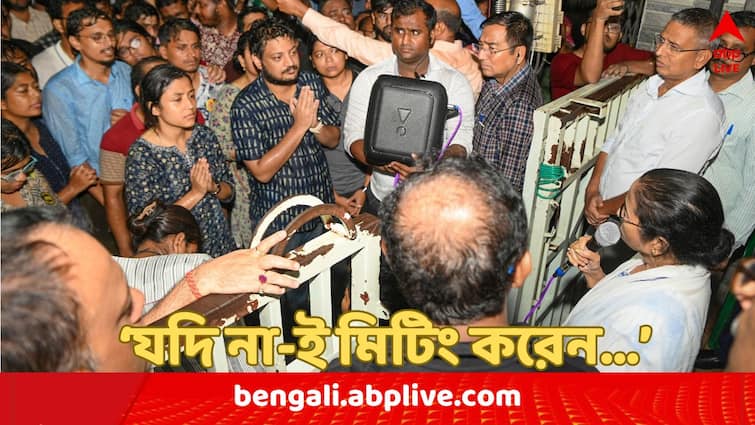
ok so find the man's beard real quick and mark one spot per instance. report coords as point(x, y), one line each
point(274, 81)
point(384, 33)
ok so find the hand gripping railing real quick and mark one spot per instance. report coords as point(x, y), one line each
point(356, 238)
point(569, 133)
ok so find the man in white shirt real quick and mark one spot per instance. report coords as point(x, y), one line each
point(58, 56)
point(733, 171)
point(413, 22)
point(27, 23)
point(674, 120)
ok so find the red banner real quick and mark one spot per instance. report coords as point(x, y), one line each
point(343, 398)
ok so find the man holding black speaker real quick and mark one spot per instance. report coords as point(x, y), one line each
point(412, 37)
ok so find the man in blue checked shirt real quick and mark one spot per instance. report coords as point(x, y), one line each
point(503, 125)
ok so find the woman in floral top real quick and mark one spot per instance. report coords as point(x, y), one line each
point(220, 122)
point(177, 161)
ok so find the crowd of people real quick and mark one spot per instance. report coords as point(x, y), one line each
point(155, 135)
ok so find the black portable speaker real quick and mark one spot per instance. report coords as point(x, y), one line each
point(405, 116)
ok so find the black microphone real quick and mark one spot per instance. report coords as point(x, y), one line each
point(607, 234)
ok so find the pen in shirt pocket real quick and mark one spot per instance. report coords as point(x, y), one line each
point(481, 120)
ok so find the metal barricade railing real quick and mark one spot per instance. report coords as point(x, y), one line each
point(569, 133)
point(359, 241)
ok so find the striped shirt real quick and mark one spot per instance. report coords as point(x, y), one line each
point(156, 276)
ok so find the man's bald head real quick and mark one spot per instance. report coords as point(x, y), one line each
point(449, 15)
point(452, 236)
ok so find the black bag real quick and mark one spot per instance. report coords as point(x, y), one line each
point(405, 116)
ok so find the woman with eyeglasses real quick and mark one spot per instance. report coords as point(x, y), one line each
point(674, 220)
point(22, 105)
point(178, 162)
point(21, 185)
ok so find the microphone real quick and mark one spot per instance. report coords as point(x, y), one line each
point(607, 234)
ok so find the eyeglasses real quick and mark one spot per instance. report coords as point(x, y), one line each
point(660, 41)
point(26, 169)
point(623, 216)
point(611, 27)
point(479, 48)
point(99, 37)
point(734, 55)
point(134, 44)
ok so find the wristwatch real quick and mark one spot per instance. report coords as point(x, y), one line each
point(316, 129)
point(216, 191)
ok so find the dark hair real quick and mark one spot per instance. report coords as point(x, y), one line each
point(267, 30)
point(171, 29)
point(578, 18)
point(82, 18)
point(10, 47)
point(139, 70)
point(322, 4)
point(244, 44)
point(455, 276)
point(380, 5)
point(450, 20)
point(153, 86)
point(519, 30)
point(156, 221)
point(410, 7)
point(165, 3)
point(138, 9)
point(685, 210)
point(124, 25)
point(55, 7)
point(41, 324)
point(701, 20)
point(10, 72)
point(15, 145)
point(248, 11)
point(744, 19)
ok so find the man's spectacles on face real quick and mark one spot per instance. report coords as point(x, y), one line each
point(674, 48)
point(100, 37)
point(734, 55)
point(26, 169)
point(480, 48)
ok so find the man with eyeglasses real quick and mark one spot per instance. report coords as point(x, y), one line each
point(83, 100)
point(60, 55)
point(504, 120)
point(673, 119)
point(598, 50)
point(733, 171)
